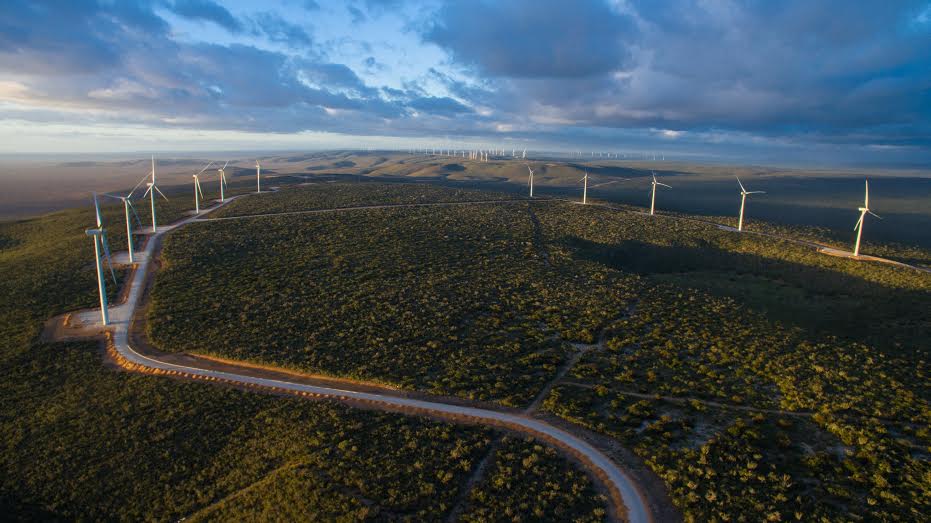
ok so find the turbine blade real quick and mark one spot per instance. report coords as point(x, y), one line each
point(859, 223)
point(866, 194)
point(874, 214)
point(664, 185)
point(133, 209)
point(225, 164)
point(106, 252)
point(205, 168)
point(97, 211)
point(757, 192)
point(160, 192)
point(142, 181)
point(740, 184)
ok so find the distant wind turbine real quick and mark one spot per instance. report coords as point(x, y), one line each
point(198, 192)
point(222, 172)
point(128, 206)
point(258, 177)
point(743, 200)
point(653, 195)
point(585, 189)
point(863, 212)
point(150, 192)
point(100, 244)
point(530, 181)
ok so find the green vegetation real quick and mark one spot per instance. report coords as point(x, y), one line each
point(732, 337)
point(758, 378)
point(452, 300)
point(331, 196)
point(81, 441)
point(529, 482)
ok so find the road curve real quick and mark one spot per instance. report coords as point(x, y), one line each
point(623, 489)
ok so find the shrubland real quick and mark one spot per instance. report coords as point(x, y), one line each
point(327, 195)
point(83, 441)
point(759, 379)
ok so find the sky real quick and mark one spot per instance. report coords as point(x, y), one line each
point(793, 81)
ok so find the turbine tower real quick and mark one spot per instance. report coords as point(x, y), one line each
point(653, 195)
point(530, 182)
point(258, 177)
point(863, 212)
point(197, 189)
point(743, 200)
point(128, 206)
point(222, 172)
point(150, 192)
point(100, 244)
point(585, 188)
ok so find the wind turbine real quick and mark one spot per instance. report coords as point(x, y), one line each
point(127, 206)
point(653, 196)
point(585, 189)
point(258, 177)
point(100, 244)
point(743, 200)
point(530, 182)
point(150, 192)
point(863, 212)
point(197, 189)
point(222, 172)
point(585, 186)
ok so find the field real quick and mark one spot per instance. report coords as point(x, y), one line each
point(84, 441)
point(758, 378)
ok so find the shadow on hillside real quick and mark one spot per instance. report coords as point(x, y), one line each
point(819, 300)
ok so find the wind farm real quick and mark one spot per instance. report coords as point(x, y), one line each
point(464, 262)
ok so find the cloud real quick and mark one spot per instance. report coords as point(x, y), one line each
point(534, 38)
point(815, 69)
point(208, 11)
point(673, 71)
point(439, 105)
point(276, 29)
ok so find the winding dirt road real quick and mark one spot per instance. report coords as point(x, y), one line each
point(627, 499)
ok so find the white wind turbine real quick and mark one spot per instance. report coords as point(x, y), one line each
point(100, 244)
point(743, 200)
point(198, 192)
point(150, 192)
point(653, 194)
point(258, 177)
point(863, 212)
point(222, 172)
point(584, 179)
point(530, 181)
point(128, 206)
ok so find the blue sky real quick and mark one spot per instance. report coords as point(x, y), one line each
point(781, 82)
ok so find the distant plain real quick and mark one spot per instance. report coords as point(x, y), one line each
point(814, 197)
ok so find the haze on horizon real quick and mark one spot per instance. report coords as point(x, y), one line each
point(827, 82)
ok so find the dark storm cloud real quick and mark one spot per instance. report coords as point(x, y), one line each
point(808, 68)
point(534, 38)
